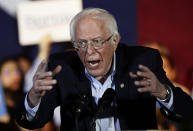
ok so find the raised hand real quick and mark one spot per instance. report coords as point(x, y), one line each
point(42, 82)
point(149, 82)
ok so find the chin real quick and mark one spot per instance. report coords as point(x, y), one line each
point(94, 73)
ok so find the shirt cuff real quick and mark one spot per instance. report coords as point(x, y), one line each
point(31, 112)
point(169, 104)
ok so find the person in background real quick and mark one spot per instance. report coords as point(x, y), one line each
point(11, 79)
point(4, 116)
point(163, 50)
point(25, 63)
point(171, 72)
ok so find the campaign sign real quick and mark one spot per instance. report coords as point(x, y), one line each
point(39, 18)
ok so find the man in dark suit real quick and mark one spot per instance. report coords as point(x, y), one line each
point(77, 80)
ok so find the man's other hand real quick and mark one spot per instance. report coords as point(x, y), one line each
point(149, 82)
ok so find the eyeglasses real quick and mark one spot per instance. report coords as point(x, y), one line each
point(97, 44)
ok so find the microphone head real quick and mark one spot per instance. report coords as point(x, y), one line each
point(107, 97)
point(104, 104)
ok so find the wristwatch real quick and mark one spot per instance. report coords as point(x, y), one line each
point(168, 95)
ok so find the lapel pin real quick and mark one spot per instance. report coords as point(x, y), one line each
point(22, 117)
point(122, 85)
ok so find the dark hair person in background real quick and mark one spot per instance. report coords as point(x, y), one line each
point(12, 80)
point(77, 80)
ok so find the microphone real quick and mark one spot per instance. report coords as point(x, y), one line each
point(82, 105)
point(107, 97)
point(105, 102)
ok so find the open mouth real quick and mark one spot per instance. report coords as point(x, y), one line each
point(93, 64)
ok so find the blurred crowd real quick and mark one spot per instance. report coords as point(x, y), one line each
point(16, 79)
point(16, 76)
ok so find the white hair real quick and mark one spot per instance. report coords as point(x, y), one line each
point(96, 13)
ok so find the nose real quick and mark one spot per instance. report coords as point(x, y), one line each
point(90, 49)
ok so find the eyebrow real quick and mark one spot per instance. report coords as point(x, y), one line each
point(97, 37)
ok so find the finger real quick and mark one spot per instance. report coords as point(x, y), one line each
point(42, 66)
point(49, 78)
point(142, 83)
point(42, 75)
point(144, 89)
point(57, 70)
point(143, 74)
point(144, 68)
point(46, 82)
point(132, 75)
point(41, 89)
point(46, 88)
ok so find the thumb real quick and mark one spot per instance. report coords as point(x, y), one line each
point(57, 70)
point(42, 66)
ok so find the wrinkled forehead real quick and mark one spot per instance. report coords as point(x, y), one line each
point(90, 25)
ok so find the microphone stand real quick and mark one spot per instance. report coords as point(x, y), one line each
point(81, 106)
point(77, 111)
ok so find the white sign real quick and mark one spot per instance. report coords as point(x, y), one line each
point(39, 18)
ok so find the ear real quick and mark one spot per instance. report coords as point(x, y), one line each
point(115, 41)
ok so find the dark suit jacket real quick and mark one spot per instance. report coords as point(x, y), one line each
point(135, 110)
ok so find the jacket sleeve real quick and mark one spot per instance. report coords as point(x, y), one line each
point(182, 107)
point(45, 112)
